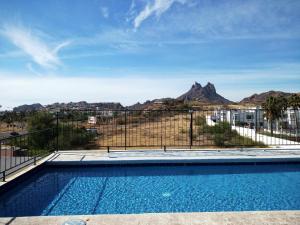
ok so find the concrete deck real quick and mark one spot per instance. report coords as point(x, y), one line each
point(206, 218)
point(194, 156)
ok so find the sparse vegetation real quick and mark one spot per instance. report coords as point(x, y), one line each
point(200, 121)
point(43, 133)
point(71, 137)
point(224, 136)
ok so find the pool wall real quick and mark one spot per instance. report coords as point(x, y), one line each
point(93, 158)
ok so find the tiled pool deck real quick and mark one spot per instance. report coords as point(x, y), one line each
point(207, 218)
point(147, 156)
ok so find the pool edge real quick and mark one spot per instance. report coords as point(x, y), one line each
point(288, 217)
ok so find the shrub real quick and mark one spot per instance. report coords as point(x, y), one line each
point(183, 131)
point(200, 121)
point(223, 136)
point(41, 130)
point(40, 121)
point(70, 137)
point(43, 133)
point(219, 139)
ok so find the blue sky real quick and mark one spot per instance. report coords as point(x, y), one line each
point(134, 50)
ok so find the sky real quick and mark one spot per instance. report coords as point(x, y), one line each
point(130, 51)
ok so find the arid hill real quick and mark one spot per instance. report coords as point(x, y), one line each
point(196, 97)
point(28, 108)
point(258, 99)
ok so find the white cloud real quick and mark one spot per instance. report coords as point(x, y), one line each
point(233, 20)
point(104, 12)
point(158, 7)
point(32, 44)
point(201, 20)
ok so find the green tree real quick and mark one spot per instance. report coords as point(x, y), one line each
point(274, 108)
point(70, 137)
point(294, 103)
point(41, 121)
point(43, 132)
point(41, 127)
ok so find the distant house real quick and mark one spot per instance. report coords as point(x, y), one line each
point(106, 113)
point(255, 118)
point(220, 116)
point(92, 120)
point(240, 117)
point(158, 102)
point(291, 118)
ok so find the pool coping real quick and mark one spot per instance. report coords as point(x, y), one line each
point(90, 157)
point(25, 170)
point(175, 161)
point(290, 217)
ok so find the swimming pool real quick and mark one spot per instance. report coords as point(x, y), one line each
point(150, 189)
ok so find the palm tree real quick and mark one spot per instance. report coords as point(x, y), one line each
point(294, 103)
point(274, 107)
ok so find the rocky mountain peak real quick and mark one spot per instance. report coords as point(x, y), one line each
point(196, 85)
point(210, 87)
point(204, 94)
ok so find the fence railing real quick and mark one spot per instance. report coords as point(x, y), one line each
point(149, 129)
point(161, 129)
point(22, 150)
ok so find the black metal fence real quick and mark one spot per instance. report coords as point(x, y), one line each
point(161, 129)
point(22, 150)
point(45, 132)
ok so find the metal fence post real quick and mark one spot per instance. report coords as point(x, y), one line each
point(256, 125)
point(0, 154)
point(296, 112)
point(126, 128)
point(191, 128)
point(3, 176)
point(1, 162)
point(57, 130)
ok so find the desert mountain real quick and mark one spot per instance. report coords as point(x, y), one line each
point(70, 106)
point(205, 94)
point(86, 105)
point(258, 99)
point(197, 94)
point(28, 108)
point(152, 104)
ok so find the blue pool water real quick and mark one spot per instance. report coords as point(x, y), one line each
point(111, 190)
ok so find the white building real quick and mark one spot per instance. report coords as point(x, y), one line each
point(291, 118)
point(240, 117)
point(255, 118)
point(92, 120)
point(106, 113)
